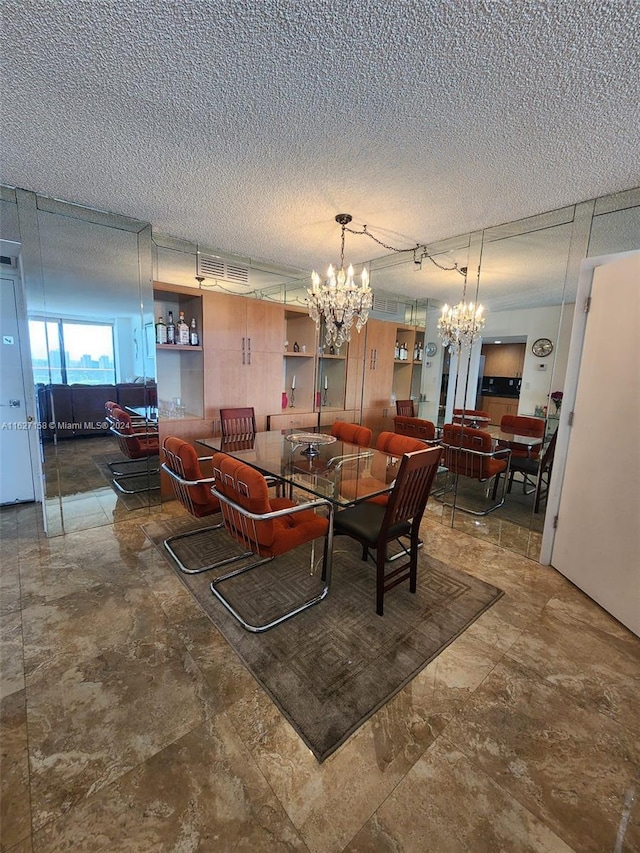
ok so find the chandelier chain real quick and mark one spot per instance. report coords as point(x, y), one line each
point(424, 253)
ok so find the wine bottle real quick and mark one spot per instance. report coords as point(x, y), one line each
point(161, 331)
point(194, 339)
point(182, 331)
point(171, 329)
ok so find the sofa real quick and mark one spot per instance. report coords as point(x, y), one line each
point(72, 411)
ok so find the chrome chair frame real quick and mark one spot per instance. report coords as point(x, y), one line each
point(494, 454)
point(243, 523)
point(181, 488)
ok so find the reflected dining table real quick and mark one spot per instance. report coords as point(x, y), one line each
point(321, 471)
point(513, 440)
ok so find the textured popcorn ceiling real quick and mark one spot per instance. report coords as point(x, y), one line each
point(248, 125)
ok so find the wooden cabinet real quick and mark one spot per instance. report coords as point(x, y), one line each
point(499, 406)
point(503, 359)
point(244, 341)
point(377, 411)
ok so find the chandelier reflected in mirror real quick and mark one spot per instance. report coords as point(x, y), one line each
point(461, 325)
point(340, 300)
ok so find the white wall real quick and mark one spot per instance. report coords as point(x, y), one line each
point(552, 322)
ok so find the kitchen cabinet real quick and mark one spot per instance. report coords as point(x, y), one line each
point(499, 406)
point(503, 359)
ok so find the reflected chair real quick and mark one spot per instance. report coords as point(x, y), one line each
point(375, 525)
point(523, 425)
point(137, 443)
point(352, 433)
point(405, 408)
point(539, 467)
point(267, 528)
point(193, 490)
point(416, 428)
point(469, 452)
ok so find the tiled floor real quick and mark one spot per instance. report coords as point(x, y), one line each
point(128, 724)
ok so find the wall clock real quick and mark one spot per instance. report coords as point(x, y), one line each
point(542, 347)
point(431, 349)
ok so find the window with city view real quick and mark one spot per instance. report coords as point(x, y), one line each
point(64, 351)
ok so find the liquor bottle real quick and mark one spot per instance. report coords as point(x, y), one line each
point(396, 352)
point(171, 329)
point(194, 339)
point(404, 352)
point(420, 351)
point(161, 331)
point(182, 331)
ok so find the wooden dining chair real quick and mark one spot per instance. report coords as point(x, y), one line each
point(469, 452)
point(352, 433)
point(267, 527)
point(375, 525)
point(405, 408)
point(238, 422)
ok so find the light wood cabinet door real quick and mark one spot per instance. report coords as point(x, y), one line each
point(503, 359)
point(265, 327)
point(378, 365)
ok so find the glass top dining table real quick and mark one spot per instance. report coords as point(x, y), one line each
point(512, 439)
point(342, 472)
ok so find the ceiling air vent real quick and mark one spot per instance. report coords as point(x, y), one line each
point(221, 270)
point(384, 305)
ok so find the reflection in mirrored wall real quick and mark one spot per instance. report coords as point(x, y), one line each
point(525, 275)
point(88, 292)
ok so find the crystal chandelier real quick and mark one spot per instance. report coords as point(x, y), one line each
point(340, 300)
point(460, 325)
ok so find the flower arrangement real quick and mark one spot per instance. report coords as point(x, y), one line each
point(556, 397)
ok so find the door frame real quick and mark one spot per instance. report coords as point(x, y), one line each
point(14, 250)
point(585, 283)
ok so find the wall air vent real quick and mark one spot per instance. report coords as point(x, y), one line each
point(222, 270)
point(8, 261)
point(384, 305)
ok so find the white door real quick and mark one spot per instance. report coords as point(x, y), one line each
point(16, 469)
point(597, 541)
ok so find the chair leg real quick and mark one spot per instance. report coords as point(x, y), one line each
point(168, 544)
point(257, 629)
point(380, 577)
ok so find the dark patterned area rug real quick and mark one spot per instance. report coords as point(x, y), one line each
point(332, 666)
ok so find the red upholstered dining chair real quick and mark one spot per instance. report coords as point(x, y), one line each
point(394, 446)
point(352, 433)
point(405, 408)
point(137, 443)
point(469, 452)
point(523, 425)
point(268, 527)
point(415, 427)
point(374, 525)
point(193, 490)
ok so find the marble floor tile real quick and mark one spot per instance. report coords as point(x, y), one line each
point(202, 792)
point(487, 818)
point(571, 766)
point(328, 802)
point(15, 812)
point(11, 653)
point(105, 715)
point(599, 670)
